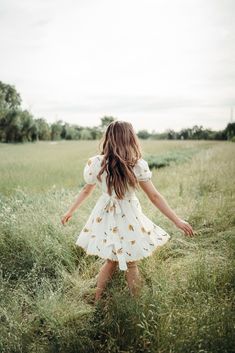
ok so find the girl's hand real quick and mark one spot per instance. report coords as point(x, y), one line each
point(66, 217)
point(185, 226)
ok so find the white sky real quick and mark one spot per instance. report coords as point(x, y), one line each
point(157, 63)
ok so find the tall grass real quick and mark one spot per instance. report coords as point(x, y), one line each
point(186, 302)
point(37, 167)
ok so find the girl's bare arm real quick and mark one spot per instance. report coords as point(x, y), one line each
point(159, 201)
point(83, 194)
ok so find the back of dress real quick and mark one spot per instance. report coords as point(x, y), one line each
point(117, 229)
point(93, 166)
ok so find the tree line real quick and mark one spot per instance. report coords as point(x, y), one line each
point(194, 133)
point(18, 125)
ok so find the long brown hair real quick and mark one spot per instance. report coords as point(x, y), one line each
point(121, 150)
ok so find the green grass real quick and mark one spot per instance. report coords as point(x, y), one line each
point(38, 167)
point(186, 303)
point(168, 158)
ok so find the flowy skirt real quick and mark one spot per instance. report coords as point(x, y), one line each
point(119, 230)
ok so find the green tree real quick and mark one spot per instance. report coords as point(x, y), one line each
point(106, 120)
point(171, 134)
point(95, 133)
point(9, 97)
point(143, 134)
point(197, 132)
point(43, 129)
point(72, 133)
point(86, 134)
point(183, 134)
point(229, 131)
point(56, 130)
point(28, 127)
point(64, 130)
point(12, 126)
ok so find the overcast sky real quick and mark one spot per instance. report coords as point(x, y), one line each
point(157, 63)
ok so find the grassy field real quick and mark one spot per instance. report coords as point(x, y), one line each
point(187, 301)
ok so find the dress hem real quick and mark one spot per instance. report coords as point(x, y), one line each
point(135, 259)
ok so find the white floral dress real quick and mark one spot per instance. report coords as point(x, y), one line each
point(118, 229)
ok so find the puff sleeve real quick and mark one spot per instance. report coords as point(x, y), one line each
point(90, 170)
point(142, 170)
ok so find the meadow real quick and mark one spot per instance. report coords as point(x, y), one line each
point(186, 303)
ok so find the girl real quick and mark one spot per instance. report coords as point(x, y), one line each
point(117, 230)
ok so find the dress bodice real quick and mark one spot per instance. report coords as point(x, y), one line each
point(93, 166)
point(117, 229)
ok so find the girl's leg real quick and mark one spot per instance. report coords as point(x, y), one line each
point(133, 277)
point(104, 276)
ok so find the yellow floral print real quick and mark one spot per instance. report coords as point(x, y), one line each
point(106, 208)
point(104, 228)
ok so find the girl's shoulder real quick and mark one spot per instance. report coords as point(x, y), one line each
point(94, 159)
point(141, 164)
point(91, 168)
point(142, 170)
